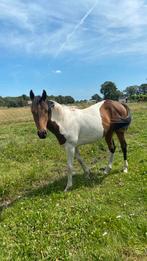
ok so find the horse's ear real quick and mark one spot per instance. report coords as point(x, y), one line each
point(32, 95)
point(44, 95)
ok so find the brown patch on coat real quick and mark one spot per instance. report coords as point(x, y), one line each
point(114, 115)
point(54, 128)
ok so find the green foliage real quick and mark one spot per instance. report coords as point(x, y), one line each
point(64, 99)
point(110, 91)
point(143, 88)
point(103, 218)
point(15, 102)
point(2, 102)
point(131, 90)
point(22, 101)
point(136, 92)
point(96, 97)
point(139, 97)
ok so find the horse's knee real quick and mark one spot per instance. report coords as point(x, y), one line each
point(112, 147)
point(112, 150)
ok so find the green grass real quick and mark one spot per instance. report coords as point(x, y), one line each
point(100, 219)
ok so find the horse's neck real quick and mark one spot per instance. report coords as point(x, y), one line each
point(54, 124)
point(54, 128)
point(57, 114)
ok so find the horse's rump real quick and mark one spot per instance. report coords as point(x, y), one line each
point(115, 115)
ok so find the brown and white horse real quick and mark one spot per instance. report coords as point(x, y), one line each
point(73, 127)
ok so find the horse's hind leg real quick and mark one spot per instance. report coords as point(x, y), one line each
point(111, 146)
point(83, 165)
point(121, 137)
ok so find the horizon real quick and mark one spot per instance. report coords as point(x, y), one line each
point(71, 48)
point(76, 100)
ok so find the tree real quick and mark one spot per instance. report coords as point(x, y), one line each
point(2, 102)
point(110, 91)
point(59, 99)
point(96, 97)
point(143, 88)
point(10, 102)
point(131, 90)
point(69, 99)
point(64, 99)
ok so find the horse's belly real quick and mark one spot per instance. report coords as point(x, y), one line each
point(89, 135)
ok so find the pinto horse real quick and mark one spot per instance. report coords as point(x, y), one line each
point(73, 127)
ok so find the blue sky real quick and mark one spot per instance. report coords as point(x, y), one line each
point(71, 47)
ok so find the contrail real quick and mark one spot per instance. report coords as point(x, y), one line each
point(69, 36)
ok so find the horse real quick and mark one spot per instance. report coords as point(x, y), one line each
point(74, 127)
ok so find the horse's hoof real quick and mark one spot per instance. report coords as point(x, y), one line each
point(87, 174)
point(67, 188)
point(107, 170)
point(125, 170)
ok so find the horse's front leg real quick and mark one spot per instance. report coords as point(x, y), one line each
point(70, 149)
point(80, 160)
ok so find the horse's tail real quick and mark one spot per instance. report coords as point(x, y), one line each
point(123, 123)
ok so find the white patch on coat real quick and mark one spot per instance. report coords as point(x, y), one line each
point(79, 126)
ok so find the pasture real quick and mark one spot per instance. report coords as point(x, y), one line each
point(103, 218)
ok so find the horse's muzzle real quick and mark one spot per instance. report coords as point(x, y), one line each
point(42, 134)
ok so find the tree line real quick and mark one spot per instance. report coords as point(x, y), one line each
point(137, 93)
point(23, 100)
point(133, 93)
point(108, 90)
point(19, 101)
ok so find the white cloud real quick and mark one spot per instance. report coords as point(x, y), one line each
point(57, 71)
point(86, 28)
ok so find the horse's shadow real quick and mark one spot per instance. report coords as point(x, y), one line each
point(57, 186)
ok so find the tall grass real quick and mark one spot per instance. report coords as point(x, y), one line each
point(15, 115)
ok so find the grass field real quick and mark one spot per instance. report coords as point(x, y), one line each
point(101, 219)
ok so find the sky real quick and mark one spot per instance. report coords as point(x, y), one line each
point(70, 47)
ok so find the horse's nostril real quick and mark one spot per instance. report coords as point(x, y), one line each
point(42, 134)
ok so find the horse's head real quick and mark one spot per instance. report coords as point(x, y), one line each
point(41, 110)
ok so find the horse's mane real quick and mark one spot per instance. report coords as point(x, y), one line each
point(66, 107)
